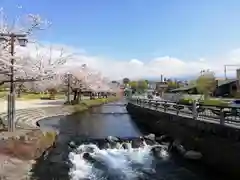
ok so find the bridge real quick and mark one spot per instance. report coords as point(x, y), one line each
point(212, 130)
point(111, 113)
point(116, 104)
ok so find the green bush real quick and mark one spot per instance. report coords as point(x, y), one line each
point(207, 102)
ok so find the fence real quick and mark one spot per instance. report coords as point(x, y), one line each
point(215, 114)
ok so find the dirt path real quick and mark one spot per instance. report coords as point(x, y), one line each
point(14, 169)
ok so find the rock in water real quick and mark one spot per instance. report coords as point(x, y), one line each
point(125, 146)
point(107, 146)
point(112, 139)
point(88, 157)
point(193, 155)
point(72, 145)
point(156, 151)
point(164, 139)
point(150, 137)
point(118, 145)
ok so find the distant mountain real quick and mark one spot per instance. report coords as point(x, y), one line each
point(177, 78)
point(181, 78)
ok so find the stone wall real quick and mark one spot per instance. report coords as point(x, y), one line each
point(220, 145)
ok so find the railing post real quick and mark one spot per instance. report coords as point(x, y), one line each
point(165, 106)
point(177, 109)
point(194, 110)
point(222, 118)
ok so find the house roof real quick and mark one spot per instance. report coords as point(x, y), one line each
point(185, 88)
point(227, 81)
point(220, 83)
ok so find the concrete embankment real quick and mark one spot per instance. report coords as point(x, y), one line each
point(220, 145)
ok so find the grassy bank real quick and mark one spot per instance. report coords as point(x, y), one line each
point(31, 96)
point(39, 96)
point(87, 103)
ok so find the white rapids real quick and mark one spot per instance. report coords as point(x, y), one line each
point(120, 162)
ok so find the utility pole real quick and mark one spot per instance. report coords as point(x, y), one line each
point(22, 39)
point(11, 96)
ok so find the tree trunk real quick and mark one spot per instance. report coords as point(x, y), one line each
point(206, 96)
point(78, 96)
point(19, 91)
point(75, 95)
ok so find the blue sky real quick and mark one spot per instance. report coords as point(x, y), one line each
point(140, 29)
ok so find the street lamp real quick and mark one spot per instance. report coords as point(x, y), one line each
point(22, 40)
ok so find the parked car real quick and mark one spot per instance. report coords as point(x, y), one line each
point(235, 103)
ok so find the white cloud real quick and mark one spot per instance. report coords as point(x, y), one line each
point(135, 68)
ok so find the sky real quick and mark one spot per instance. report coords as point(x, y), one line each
point(141, 38)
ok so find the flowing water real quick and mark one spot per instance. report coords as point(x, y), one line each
point(87, 150)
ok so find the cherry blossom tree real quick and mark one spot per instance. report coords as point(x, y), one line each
point(41, 68)
point(86, 78)
point(22, 27)
point(45, 66)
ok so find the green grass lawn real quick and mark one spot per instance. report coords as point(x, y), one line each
point(39, 96)
point(88, 103)
point(3, 94)
point(30, 96)
point(207, 102)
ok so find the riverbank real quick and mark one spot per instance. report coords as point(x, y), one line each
point(18, 155)
point(26, 145)
point(86, 104)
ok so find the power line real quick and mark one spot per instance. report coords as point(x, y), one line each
point(229, 65)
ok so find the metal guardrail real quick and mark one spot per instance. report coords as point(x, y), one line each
point(214, 114)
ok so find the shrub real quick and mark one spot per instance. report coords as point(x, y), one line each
point(207, 102)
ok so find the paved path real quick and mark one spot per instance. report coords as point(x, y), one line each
point(37, 103)
point(31, 104)
point(29, 112)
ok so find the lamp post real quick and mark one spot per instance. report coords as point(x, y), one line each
point(22, 39)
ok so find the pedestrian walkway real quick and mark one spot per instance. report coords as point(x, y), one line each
point(32, 104)
point(29, 112)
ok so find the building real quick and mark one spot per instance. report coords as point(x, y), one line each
point(225, 88)
point(152, 85)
